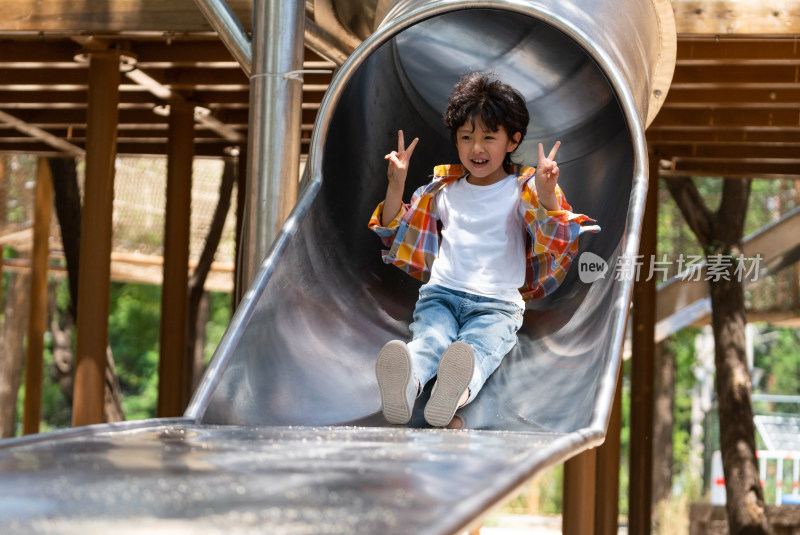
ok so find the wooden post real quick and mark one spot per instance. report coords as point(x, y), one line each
point(643, 344)
point(5, 178)
point(3, 186)
point(174, 294)
point(241, 191)
point(577, 513)
point(608, 460)
point(37, 313)
point(94, 278)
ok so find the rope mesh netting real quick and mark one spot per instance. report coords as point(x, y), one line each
point(138, 218)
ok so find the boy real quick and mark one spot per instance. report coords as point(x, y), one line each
point(504, 238)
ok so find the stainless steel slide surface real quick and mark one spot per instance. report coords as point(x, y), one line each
point(180, 477)
point(285, 434)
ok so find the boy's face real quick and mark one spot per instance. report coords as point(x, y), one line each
point(482, 151)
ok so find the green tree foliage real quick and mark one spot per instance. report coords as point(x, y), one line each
point(777, 352)
point(220, 316)
point(56, 409)
point(681, 344)
point(133, 331)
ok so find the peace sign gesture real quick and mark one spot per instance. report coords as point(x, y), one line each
point(547, 177)
point(399, 159)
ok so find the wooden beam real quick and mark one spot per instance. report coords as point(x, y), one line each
point(38, 79)
point(732, 95)
point(212, 149)
point(699, 134)
point(744, 17)
point(577, 514)
point(70, 120)
point(174, 297)
point(741, 167)
point(725, 117)
point(717, 173)
point(208, 53)
point(742, 73)
point(96, 225)
point(607, 471)
point(49, 98)
point(23, 235)
point(131, 95)
point(112, 16)
point(180, 78)
point(643, 328)
point(22, 53)
point(751, 150)
point(156, 133)
point(37, 317)
point(737, 48)
point(40, 134)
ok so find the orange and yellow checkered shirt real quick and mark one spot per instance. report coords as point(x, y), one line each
point(551, 244)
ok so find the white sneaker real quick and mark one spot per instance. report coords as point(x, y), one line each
point(395, 379)
point(452, 380)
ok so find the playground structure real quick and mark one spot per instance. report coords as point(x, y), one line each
point(284, 430)
point(300, 350)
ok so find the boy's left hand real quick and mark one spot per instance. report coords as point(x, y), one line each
point(547, 178)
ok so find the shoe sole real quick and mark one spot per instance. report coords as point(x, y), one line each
point(393, 370)
point(452, 379)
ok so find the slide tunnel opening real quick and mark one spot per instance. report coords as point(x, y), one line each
point(307, 354)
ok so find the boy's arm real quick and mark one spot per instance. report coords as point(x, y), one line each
point(386, 232)
point(553, 227)
point(547, 178)
point(549, 217)
point(398, 169)
point(393, 203)
point(554, 235)
point(553, 231)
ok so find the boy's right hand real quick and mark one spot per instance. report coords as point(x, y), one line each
point(399, 159)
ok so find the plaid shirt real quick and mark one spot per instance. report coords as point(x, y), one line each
point(413, 235)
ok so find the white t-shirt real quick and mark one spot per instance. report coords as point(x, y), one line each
point(482, 248)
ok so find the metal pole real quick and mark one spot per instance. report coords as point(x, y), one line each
point(94, 279)
point(230, 30)
point(273, 153)
point(236, 40)
point(325, 44)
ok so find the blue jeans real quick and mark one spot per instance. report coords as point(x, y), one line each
point(443, 316)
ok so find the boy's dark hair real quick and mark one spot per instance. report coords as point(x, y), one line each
point(483, 96)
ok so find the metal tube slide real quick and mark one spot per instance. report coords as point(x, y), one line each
point(301, 350)
point(297, 362)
